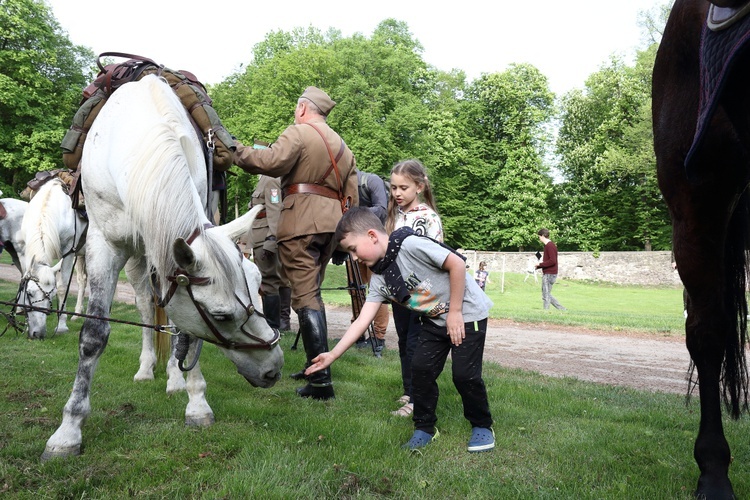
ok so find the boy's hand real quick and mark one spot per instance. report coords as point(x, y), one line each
point(320, 362)
point(455, 324)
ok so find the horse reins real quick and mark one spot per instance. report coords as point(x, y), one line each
point(181, 277)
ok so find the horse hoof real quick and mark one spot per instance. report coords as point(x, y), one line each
point(174, 388)
point(141, 377)
point(204, 421)
point(71, 451)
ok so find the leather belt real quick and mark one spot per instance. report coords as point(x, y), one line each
point(307, 188)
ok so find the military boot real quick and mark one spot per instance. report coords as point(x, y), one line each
point(314, 332)
point(271, 305)
point(285, 308)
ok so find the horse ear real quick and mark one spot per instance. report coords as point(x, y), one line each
point(183, 254)
point(56, 268)
point(240, 225)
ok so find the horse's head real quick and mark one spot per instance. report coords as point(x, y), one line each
point(38, 286)
point(215, 297)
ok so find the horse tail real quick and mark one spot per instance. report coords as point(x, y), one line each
point(163, 340)
point(734, 370)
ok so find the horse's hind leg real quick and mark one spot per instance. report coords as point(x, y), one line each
point(104, 267)
point(82, 279)
point(63, 282)
point(708, 278)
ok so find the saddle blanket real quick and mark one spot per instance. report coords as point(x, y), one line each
point(718, 51)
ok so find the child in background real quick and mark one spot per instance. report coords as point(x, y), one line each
point(429, 278)
point(482, 276)
point(405, 209)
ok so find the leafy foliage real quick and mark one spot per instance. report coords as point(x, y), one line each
point(41, 77)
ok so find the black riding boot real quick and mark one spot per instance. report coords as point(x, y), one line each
point(314, 333)
point(285, 308)
point(271, 305)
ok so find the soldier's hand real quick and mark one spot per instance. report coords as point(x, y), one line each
point(339, 257)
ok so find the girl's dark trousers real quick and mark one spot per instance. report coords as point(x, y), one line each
point(408, 325)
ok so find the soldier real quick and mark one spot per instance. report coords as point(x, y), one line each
point(275, 288)
point(318, 181)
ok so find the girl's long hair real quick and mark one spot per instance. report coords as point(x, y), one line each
point(414, 170)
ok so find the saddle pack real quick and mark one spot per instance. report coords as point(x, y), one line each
point(191, 92)
point(70, 180)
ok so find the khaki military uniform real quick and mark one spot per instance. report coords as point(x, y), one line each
point(263, 234)
point(307, 221)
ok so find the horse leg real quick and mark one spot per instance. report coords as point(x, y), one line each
point(135, 269)
point(704, 269)
point(104, 267)
point(63, 281)
point(82, 280)
point(175, 379)
point(198, 412)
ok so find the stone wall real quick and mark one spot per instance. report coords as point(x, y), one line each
point(624, 268)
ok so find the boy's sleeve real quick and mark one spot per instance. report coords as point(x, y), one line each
point(375, 289)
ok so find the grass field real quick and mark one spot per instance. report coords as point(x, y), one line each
point(556, 438)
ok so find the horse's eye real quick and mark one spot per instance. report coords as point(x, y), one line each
point(220, 317)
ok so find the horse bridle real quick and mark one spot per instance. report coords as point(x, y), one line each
point(24, 285)
point(181, 277)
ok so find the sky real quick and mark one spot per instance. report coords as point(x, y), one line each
point(565, 40)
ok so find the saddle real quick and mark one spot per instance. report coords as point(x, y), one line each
point(3, 211)
point(720, 18)
point(191, 92)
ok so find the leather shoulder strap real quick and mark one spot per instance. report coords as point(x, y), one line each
point(334, 166)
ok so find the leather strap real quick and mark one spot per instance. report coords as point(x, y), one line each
point(308, 188)
point(333, 164)
point(261, 215)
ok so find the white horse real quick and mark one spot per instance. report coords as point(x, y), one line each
point(52, 232)
point(144, 176)
point(10, 229)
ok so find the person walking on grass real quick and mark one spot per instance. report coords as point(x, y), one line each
point(548, 265)
point(431, 279)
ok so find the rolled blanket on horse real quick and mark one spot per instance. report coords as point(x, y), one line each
point(191, 92)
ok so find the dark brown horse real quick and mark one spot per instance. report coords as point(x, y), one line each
point(708, 199)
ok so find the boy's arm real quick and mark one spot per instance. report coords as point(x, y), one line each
point(457, 277)
point(354, 332)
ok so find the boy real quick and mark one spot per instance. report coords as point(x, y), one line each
point(427, 277)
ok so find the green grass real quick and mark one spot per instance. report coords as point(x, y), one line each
point(556, 438)
point(600, 306)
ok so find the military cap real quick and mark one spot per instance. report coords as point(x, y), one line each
point(320, 99)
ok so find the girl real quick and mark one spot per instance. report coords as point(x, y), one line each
point(408, 183)
point(482, 276)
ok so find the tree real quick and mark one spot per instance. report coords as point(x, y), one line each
point(41, 77)
point(609, 200)
point(507, 115)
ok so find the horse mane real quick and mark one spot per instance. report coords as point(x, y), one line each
point(41, 231)
point(162, 200)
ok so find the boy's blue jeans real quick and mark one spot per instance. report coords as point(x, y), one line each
point(547, 281)
point(433, 347)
